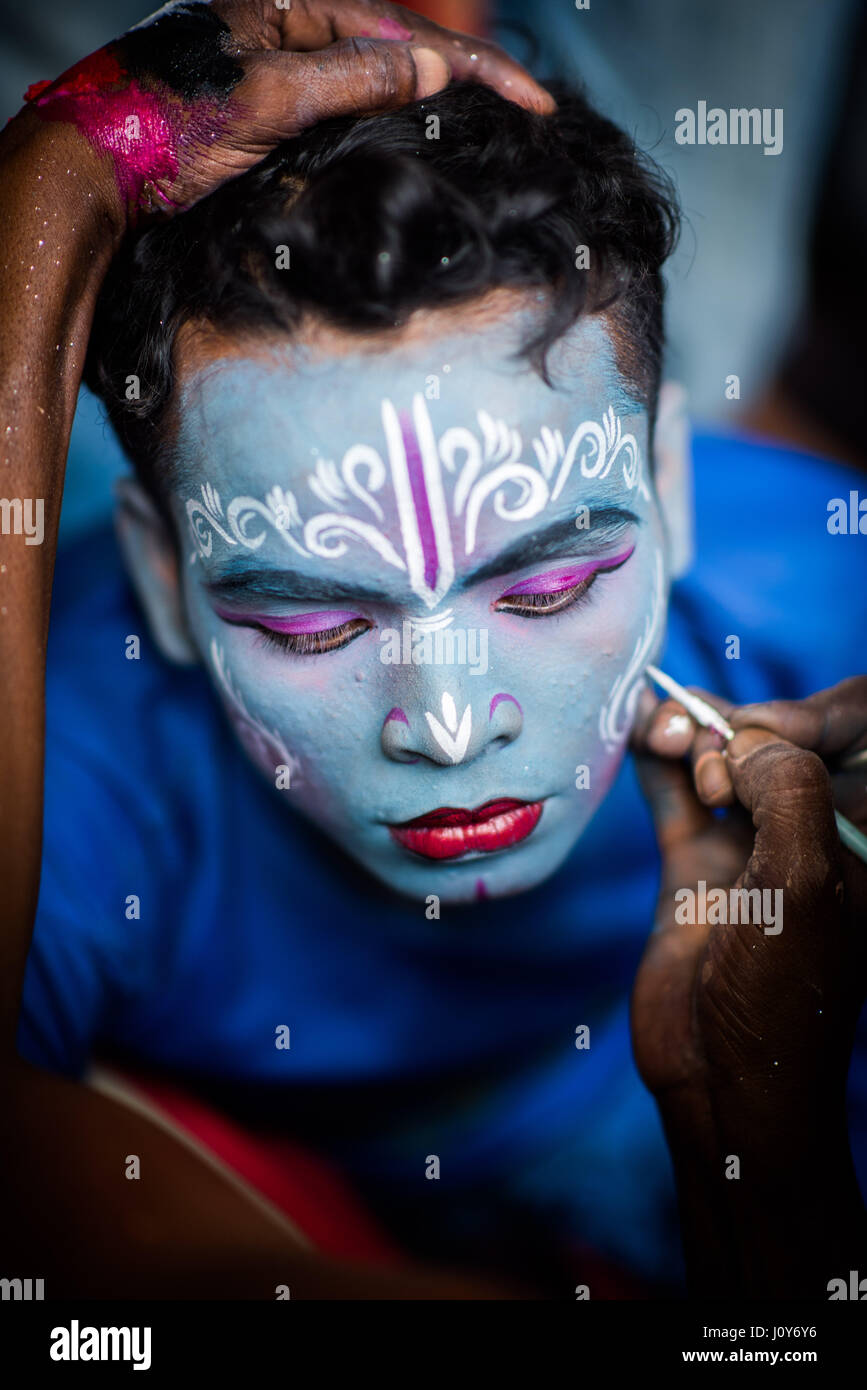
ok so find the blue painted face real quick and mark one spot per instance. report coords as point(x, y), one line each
point(426, 586)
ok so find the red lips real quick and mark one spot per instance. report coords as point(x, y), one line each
point(449, 832)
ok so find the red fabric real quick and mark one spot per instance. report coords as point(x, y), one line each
point(305, 1187)
point(316, 1198)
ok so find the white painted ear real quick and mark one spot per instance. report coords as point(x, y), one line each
point(151, 560)
point(673, 475)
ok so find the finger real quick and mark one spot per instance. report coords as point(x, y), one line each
point(710, 769)
point(469, 58)
point(671, 733)
point(307, 27)
point(831, 722)
point(661, 726)
point(678, 815)
point(284, 93)
point(787, 791)
point(674, 708)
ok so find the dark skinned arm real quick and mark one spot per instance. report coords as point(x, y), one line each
point(70, 195)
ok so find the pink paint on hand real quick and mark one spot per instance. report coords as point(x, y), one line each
point(37, 88)
point(112, 111)
point(139, 129)
point(389, 29)
point(392, 29)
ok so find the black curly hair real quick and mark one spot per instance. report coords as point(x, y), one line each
point(503, 197)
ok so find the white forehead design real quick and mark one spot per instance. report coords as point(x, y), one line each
point(418, 471)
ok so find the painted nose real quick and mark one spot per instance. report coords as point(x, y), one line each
point(453, 734)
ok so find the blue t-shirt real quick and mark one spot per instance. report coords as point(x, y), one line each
point(408, 1037)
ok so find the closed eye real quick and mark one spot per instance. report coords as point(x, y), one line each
point(305, 634)
point(329, 639)
point(543, 595)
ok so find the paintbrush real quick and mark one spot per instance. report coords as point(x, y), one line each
point(710, 718)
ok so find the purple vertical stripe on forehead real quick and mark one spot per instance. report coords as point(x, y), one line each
point(420, 499)
point(497, 699)
point(398, 714)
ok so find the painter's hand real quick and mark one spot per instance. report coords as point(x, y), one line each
point(743, 1030)
point(202, 92)
point(757, 1016)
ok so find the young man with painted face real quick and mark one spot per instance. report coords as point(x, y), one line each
point(392, 399)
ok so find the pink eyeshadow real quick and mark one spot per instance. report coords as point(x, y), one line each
point(297, 625)
point(556, 581)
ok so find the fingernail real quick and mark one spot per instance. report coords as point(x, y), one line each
point(677, 726)
point(432, 72)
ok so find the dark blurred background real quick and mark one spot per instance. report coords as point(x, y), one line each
point(768, 282)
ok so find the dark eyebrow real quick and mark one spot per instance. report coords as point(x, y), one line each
point(240, 579)
point(561, 538)
point(237, 581)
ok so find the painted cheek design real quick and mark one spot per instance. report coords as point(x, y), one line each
point(618, 712)
point(265, 746)
point(560, 580)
